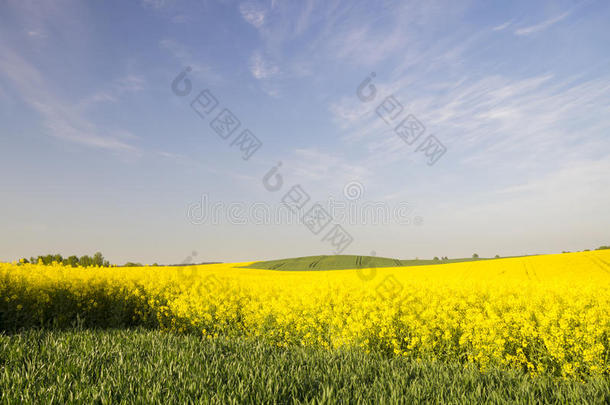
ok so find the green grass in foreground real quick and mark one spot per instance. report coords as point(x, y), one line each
point(343, 262)
point(112, 366)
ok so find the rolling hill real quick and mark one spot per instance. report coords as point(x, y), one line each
point(343, 262)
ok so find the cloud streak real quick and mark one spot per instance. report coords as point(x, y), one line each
point(63, 120)
point(541, 26)
point(262, 68)
point(185, 56)
point(253, 13)
point(502, 26)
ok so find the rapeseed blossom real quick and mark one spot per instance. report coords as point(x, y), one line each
point(541, 314)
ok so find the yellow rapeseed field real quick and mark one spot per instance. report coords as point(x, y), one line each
point(543, 314)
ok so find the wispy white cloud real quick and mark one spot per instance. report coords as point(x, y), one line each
point(313, 166)
point(502, 26)
point(180, 19)
point(40, 20)
point(365, 41)
point(271, 90)
point(157, 4)
point(127, 84)
point(178, 50)
point(261, 68)
point(491, 121)
point(365, 46)
point(253, 13)
point(541, 26)
point(130, 83)
point(349, 112)
point(36, 34)
point(62, 119)
point(303, 20)
point(581, 175)
point(487, 120)
point(187, 58)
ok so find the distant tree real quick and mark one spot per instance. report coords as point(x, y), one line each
point(475, 256)
point(497, 256)
point(98, 259)
point(72, 261)
point(603, 248)
point(85, 261)
point(436, 258)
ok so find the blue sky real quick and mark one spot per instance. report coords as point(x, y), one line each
point(98, 153)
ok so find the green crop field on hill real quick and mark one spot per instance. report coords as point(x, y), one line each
point(343, 262)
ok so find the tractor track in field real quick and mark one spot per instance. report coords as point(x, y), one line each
point(314, 264)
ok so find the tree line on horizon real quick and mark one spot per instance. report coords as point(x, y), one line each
point(85, 261)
